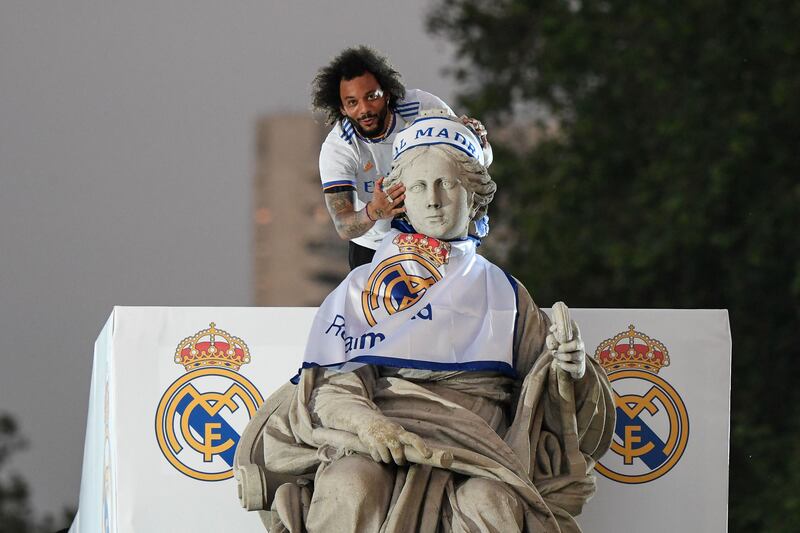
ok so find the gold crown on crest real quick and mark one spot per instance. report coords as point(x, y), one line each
point(632, 349)
point(428, 247)
point(212, 347)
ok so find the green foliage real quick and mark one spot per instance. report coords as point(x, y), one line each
point(16, 515)
point(14, 510)
point(671, 179)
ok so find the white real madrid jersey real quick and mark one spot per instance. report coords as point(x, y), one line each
point(347, 159)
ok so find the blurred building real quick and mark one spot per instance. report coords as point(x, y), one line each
point(298, 256)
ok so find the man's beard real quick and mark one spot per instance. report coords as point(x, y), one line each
point(380, 123)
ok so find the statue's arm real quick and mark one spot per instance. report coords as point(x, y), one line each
point(594, 405)
point(531, 331)
point(558, 439)
point(337, 396)
point(343, 401)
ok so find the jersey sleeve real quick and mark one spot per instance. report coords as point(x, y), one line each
point(431, 101)
point(488, 155)
point(417, 101)
point(337, 166)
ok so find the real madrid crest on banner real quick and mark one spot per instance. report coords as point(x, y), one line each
point(652, 423)
point(202, 414)
point(399, 281)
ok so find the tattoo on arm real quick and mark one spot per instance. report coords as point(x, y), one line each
point(349, 222)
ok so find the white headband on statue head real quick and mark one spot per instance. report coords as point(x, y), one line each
point(431, 130)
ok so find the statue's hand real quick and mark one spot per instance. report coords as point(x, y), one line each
point(386, 439)
point(570, 355)
point(476, 125)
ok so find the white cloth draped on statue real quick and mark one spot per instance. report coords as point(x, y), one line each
point(422, 303)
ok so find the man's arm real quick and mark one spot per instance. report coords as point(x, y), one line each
point(350, 223)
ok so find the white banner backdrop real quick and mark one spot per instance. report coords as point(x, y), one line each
point(162, 425)
point(667, 470)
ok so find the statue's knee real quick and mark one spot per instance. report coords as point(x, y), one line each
point(355, 474)
point(351, 494)
point(478, 489)
point(489, 501)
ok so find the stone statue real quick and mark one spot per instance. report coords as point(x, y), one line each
point(435, 396)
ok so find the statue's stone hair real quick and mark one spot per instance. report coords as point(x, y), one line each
point(473, 176)
point(352, 63)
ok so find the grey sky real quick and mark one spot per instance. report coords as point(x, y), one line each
point(126, 133)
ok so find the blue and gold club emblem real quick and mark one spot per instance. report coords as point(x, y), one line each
point(400, 281)
point(202, 414)
point(652, 423)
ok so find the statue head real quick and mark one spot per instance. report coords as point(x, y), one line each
point(440, 162)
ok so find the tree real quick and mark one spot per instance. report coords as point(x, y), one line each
point(16, 515)
point(668, 176)
point(14, 509)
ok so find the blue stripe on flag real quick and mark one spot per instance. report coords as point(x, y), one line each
point(470, 366)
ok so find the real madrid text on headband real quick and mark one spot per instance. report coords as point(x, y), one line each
point(427, 131)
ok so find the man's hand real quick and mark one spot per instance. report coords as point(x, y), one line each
point(476, 125)
point(386, 439)
point(350, 223)
point(386, 203)
point(570, 355)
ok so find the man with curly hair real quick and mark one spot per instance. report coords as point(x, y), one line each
point(363, 98)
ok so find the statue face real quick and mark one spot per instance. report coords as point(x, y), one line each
point(436, 202)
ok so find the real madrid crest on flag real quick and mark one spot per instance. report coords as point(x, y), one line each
point(202, 414)
point(399, 281)
point(652, 423)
